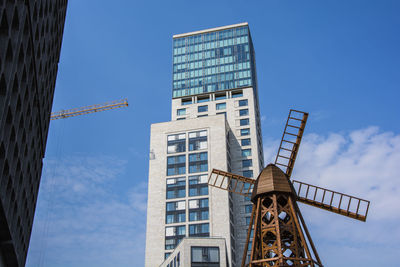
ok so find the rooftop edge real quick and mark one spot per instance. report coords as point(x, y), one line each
point(210, 30)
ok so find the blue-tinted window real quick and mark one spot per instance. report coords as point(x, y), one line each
point(220, 97)
point(244, 132)
point(243, 103)
point(198, 185)
point(198, 215)
point(248, 173)
point(174, 235)
point(246, 152)
point(181, 111)
point(175, 212)
point(220, 106)
point(244, 112)
point(205, 257)
point(176, 188)
point(244, 122)
point(203, 99)
point(198, 162)
point(248, 208)
point(199, 229)
point(247, 221)
point(198, 140)
point(245, 142)
point(176, 143)
point(176, 165)
point(202, 108)
point(247, 163)
point(237, 94)
point(187, 101)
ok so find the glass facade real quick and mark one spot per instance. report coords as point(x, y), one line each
point(212, 61)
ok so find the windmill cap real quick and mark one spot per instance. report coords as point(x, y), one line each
point(271, 179)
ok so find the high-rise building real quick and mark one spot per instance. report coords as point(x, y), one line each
point(215, 123)
point(30, 42)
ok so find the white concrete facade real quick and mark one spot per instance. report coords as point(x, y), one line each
point(217, 130)
point(182, 254)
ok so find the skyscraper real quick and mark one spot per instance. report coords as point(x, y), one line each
point(215, 123)
point(30, 42)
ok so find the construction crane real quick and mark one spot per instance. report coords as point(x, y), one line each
point(62, 114)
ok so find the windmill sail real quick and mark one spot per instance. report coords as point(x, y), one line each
point(231, 182)
point(290, 141)
point(336, 202)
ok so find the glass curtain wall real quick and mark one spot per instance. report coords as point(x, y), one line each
point(212, 61)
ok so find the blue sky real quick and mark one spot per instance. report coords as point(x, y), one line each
point(337, 60)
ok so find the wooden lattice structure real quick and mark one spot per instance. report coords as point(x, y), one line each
point(280, 235)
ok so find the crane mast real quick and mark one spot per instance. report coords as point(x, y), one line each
point(62, 114)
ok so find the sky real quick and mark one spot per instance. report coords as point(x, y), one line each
point(337, 60)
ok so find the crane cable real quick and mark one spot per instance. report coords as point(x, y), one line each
point(51, 179)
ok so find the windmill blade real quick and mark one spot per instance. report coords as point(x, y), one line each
point(290, 141)
point(336, 202)
point(231, 182)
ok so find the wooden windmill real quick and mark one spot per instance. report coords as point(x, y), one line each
point(280, 236)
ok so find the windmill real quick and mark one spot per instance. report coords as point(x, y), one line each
point(280, 235)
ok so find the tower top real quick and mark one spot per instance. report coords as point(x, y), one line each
point(210, 30)
point(271, 179)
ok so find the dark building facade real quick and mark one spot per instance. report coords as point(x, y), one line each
point(30, 42)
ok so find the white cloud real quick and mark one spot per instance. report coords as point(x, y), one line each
point(86, 218)
point(363, 163)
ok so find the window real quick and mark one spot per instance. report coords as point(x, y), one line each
point(197, 140)
point(248, 173)
point(176, 143)
point(245, 142)
point(247, 221)
point(247, 163)
point(180, 119)
point(198, 162)
point(176, 188)
point(244, 122)
point(198, 209)
point(221, 106)
point(248, 208)
point(203, 99)
point(198, 203)
point(201, 229)
point(205, 115)
point(220, 96)
point(174, 235)
point(244, 132)
point(202, 108)
point(175, 212)
point(198, 215)
point(243, 112)
point(205, 256)
point(181, 111)
point(237, 94)
point(243, 103)
point(176, 165)
point(198, 185)
point(246, 152)
point(186, 101)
